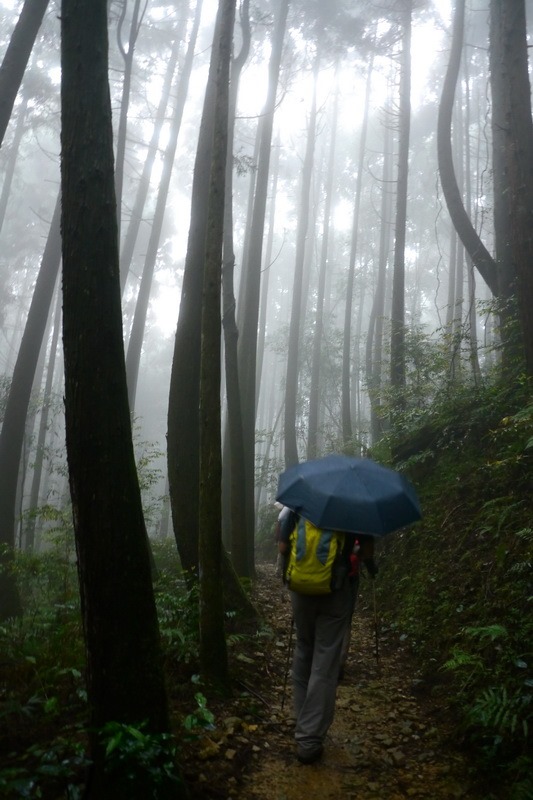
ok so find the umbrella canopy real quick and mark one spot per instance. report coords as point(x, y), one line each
point(349, 494)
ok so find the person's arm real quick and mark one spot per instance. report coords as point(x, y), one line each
point(366, 554)
point(287, 521)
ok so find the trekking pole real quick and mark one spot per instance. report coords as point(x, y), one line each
point(376, 623)
point(289, 648)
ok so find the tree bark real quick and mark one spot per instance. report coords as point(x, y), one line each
point(213, 653)
point(118, 606)
point(241, 542)
point(509, 37)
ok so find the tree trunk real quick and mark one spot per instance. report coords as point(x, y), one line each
point(314, 393)
point(477, 251)
point(241, 543)
point(291, 380)
point(118, 606)
point(17, 57)
point(127, 56)
point(43, 428)
point(398, 275)
point(136, 213)
point(509, 28)
point(346, 409)
point(13, 155)
point(133, 357)
point(374, 344)
point(184, 395)
point(213, 654)
point(251, 274)
point(12, 436)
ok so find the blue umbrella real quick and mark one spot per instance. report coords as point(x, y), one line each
point(349, 494)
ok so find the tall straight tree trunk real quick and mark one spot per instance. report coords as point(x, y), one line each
point(133, 357)
point(17, 56)
point(12, 436)
point(12, 161)
point(502, 213)
point(346, 404)
point(241, 544)
point(213, 654)
point(251, 274)
point(398, 275)
point(268, 264)
point(291, 380)
point(471, 284)
point(374, 342)
point(184, 395)
point(511, 31)
point(314, 394)
point(136, 214)
point(43, 427)
point(118, 605)
point(127, 56)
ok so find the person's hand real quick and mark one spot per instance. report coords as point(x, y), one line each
point(372, 567)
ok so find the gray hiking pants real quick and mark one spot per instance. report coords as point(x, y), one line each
point(321, 623)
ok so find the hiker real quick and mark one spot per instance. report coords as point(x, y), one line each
point(321, 622)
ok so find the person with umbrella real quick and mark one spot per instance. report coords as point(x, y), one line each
point(332, 499)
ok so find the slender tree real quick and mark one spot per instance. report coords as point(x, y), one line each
point(213, 655)
point(314, 393)
point(16, 58)
point(118, 606)
point(241, 545)
point(133, 356)
point(347, 332)
point(12, 436)
point(509, 36)
point(398, 276)
point(249, 293)
point(291, 381)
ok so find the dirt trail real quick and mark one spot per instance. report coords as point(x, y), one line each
point(388, 740)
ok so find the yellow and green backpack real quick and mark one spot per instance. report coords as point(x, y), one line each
point(312, 557)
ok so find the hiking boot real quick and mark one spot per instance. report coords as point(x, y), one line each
point(308, 755)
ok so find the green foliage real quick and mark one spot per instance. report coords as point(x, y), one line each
point(458, 586)
point(178, 611)
point(200, 720)
point(56, 766)
point(137, 757)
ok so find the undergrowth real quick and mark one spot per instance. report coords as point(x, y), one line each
point(457, 587)
point(44, 718)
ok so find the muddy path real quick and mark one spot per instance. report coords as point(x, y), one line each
point(387, 741)
point(390, 738)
